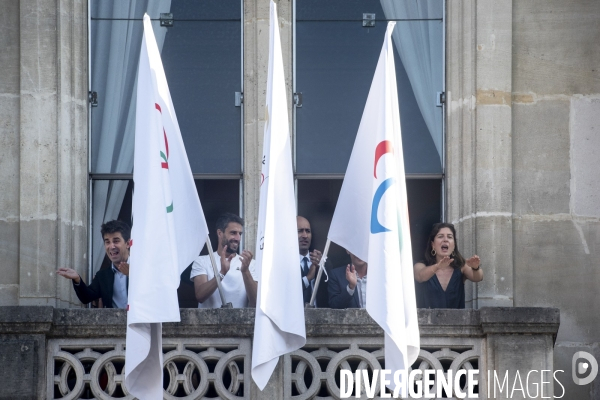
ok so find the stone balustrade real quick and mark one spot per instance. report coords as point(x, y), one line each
point(49, 353)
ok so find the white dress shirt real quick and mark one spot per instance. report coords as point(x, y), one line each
point(119, 289)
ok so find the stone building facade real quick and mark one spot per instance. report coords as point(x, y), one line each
point(522, 134)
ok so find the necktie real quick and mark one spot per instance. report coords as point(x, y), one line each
point(306, 291)
point(304, 266)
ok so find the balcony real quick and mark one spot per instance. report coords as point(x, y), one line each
point(50, 353)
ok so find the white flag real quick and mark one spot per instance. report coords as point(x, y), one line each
point(371, 216)
point(279, 325)
point(169, 228)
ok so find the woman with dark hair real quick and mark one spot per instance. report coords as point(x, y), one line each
point(443, 274)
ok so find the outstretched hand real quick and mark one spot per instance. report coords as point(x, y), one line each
point(445, 262)
point(69, 274)
point(473, 262)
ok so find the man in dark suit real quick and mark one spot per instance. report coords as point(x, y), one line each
point(109, 284)
point(348, 286)
point(309, 264)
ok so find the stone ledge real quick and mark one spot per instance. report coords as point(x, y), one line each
point(26, 319)
point(527, 315)
point(217, 322)
point(82, 322)
point(520, 320)
point(99, 323)
point(447, 322)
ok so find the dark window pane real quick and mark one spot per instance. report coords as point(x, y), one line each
point(181, 10)
point(202, 60)
point(343, 10)
point(126, 9)
point(216, 196)
point(424, 209)
point(112, 200)
point(335, 62)
point(203, 65)
point(316, 202)
point(213, 10)
point(317, 199)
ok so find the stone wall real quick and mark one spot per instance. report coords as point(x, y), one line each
point(43, 106)
point(9, 162)
point(52, 353)
point(556, 119)
point(523, 85)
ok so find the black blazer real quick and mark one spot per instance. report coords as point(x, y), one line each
point(338, 294)
point(101, 287)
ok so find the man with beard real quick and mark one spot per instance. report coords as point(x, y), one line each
point(110, 284)
point(238, 277)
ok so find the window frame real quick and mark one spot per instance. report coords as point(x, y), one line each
point(408, 176)
point(92, 177)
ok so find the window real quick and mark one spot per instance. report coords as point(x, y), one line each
point(202, 57)
point(335, 59)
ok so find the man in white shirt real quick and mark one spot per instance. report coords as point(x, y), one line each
point(309, 261)
point(238, 277)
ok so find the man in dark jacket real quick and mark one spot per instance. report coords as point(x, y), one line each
point(348, 286)
point(109, 284)
point(309, 265)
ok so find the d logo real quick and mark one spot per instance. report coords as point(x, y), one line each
point(581, 367)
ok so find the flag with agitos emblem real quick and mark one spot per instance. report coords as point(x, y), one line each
point(371, 217)
point(169, 228)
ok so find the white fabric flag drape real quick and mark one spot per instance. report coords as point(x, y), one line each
point(114, 75)
point(279, 325)
point(371, 216)
point(169, 228)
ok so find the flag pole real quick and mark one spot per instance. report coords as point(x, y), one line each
point(318, 279)
point(224, 303)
